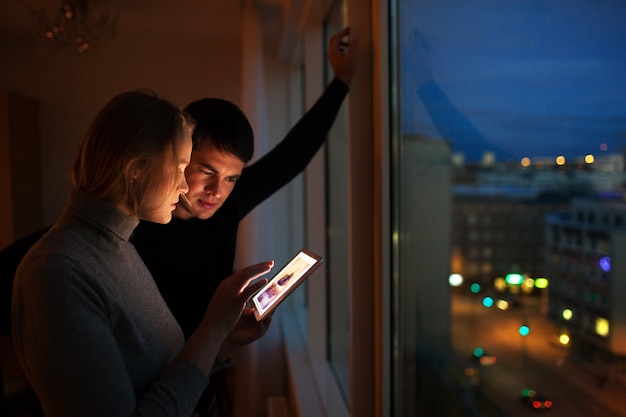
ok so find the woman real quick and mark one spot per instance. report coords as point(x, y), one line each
point(91, 330)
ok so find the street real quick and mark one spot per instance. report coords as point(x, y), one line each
point(531, 361)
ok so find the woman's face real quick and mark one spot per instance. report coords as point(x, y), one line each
point(163, 203)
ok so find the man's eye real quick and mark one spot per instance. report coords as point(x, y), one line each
point(206, 171)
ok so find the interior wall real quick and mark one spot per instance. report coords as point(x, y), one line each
point(72, 89)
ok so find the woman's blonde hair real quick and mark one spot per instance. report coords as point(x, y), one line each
point(126, 147)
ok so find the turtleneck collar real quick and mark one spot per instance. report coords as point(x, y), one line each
point(102, 214)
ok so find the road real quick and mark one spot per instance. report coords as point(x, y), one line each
point(530, 362)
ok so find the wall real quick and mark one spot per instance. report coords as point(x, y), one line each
point(72, 89)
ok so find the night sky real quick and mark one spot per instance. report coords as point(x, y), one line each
point(517, 77)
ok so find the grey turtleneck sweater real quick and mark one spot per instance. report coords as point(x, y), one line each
point(92, 332)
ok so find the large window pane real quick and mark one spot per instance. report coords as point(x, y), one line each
point(509, 127)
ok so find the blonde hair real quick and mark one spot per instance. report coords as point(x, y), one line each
point(126, 147)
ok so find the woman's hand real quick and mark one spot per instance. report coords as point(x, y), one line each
point(224, 311)
point(231, 295)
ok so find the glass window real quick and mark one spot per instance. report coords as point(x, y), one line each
point(513, 105)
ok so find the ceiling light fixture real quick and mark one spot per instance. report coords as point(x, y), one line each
point(76, 25)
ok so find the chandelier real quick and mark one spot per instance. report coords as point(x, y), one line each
point(76, 25)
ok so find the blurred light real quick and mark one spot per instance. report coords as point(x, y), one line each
point(502, 305)
point(475, 288)
point(527, 392)
point(514, 279)
point(528, 284)
point(541, 283)
point(547, 403)
point(478, 352)
point(499, 284)
point(488, 302)
point(524, 330)
point(564, 339)
point(560, 160)
point(77, 25)
point(455, 280)
point(605, 263)
point(589, 159)
point(567, 314)
point(525, 162)
point(603, 147)
point(486, 360)
point(602, 326)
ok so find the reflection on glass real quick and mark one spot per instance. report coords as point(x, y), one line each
point(509, 124)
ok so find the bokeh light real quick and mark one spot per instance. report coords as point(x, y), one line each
point(605, 263)
point(567, 314)
point(524, 330)
point(488, 302)
point(602, 326)
point(455, 280)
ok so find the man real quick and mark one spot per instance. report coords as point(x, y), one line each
point(196, 250)
point(200, 240)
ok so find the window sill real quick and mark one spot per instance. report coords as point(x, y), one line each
point(313, 389)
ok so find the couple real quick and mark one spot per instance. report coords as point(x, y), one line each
point(94, 334)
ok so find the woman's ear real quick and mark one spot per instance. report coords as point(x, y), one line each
point(136, 172)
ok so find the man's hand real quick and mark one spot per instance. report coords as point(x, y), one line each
point(341, 55)
point(246, 331)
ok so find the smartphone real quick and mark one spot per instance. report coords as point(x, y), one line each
point(300, 267)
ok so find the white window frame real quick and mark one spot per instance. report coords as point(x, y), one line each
point(314, 388)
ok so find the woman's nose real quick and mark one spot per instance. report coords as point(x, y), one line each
point(183, 187)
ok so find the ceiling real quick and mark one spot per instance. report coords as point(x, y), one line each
point(156, 19)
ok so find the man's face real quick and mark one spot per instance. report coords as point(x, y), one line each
point(211, 176)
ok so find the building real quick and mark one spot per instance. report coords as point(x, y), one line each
point(587, 273)
point(499, 230)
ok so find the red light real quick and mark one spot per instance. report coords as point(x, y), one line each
point(536, 404)
point(547, 403)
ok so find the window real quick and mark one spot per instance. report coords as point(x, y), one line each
point(510, 98)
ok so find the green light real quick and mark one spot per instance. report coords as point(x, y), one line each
point(514, 279)
point(475, 288)
point(541, 283)
point(478, 352)
point(488, 302)
point(524, 330)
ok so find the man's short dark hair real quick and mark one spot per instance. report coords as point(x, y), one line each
point(224, 124)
